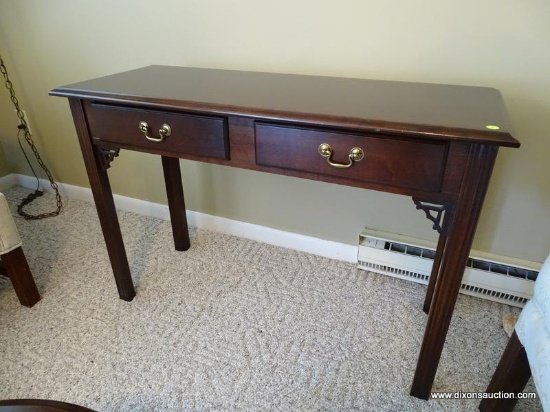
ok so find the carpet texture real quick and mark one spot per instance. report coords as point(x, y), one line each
point(231, 324)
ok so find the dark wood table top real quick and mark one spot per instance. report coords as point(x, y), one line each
point(417, 109)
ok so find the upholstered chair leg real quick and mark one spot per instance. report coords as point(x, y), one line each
point(511, 375)
point(17, 268)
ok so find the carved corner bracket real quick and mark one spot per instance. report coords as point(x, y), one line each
point(439, 214)
point(106, 156)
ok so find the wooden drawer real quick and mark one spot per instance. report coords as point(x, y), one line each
point(397, 162)
point(194, 135)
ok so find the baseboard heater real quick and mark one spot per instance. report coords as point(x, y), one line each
point(412, 259)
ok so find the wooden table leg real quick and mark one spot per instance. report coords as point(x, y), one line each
point(17, 269)
point(176, 202)
point(435, 272)
point(511, 376)
point(457, 249)
point(96, 166)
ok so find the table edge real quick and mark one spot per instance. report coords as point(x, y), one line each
point(497, 138)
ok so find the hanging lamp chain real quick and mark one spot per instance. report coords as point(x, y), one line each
point(24, 128)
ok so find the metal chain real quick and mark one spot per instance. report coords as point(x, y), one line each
point(28, 138)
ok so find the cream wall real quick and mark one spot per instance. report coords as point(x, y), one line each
point(496, 43)
point(5, 167)
point(6, 118)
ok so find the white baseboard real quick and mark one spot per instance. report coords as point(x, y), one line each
point(7, 181)
point(309, 244)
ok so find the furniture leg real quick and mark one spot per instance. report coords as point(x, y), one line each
point(511, 376)
point(176, 202)
point(17, 268)
point(435, 272)
point(457, 249)
point(103, 197)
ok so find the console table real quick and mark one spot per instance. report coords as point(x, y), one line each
point(435, 143)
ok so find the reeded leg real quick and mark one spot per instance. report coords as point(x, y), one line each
point(453, 261)
point(511, 376)
point(435, 272)
point(176, 202)
point(108, 218)
point(17, 268)
point(99, 182)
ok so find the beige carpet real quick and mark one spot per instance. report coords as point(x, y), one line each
point(231, 324)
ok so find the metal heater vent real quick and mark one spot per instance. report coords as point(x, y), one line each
point(412, 259)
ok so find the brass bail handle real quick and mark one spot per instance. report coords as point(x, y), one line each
point(355, 155)
point(164, 131)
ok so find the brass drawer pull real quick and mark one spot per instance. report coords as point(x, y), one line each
point(164, 132)
point(355, 155)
